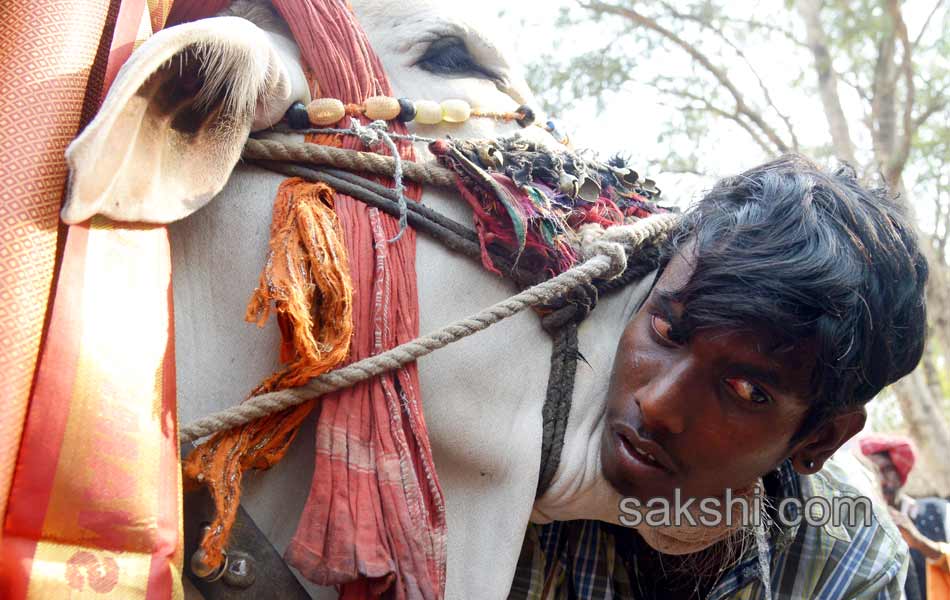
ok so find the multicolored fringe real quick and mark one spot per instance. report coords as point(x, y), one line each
point(529, 201)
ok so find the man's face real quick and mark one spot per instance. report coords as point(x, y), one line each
point(716, 411)
point(890, 478)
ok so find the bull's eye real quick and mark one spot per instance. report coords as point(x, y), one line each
point(448, 56)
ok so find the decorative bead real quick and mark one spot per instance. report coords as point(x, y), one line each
point(440, 147)
point(456, 111)
point(428, 112)
point(528, 117)
point(407, 111)
point(381, 108)
point(556, 130)
point(297, 116)
point(325, 111)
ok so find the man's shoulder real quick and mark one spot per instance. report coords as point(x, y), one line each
point(844, 544)
point(854, 509)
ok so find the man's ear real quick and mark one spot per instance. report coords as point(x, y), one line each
point(811, 453)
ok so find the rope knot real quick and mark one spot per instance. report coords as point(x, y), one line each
point(594, 241)
point(573, 307)
point(370, 135)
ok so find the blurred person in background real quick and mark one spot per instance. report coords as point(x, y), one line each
point(924, 522)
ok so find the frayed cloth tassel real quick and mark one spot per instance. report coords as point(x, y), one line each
point(306, 281)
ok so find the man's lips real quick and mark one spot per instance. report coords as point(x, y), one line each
point(645, 450)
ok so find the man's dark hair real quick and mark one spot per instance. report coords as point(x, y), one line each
point(809, 256)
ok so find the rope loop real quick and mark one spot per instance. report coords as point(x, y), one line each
point(606, 258)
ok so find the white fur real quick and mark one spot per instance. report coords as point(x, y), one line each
point(482, 397)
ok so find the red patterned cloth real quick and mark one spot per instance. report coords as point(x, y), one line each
point(900, 450)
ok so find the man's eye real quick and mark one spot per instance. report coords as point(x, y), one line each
point(662, 328)
point(748, 391)
point(450, 56)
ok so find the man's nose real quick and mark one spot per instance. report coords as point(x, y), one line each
point(664, 399)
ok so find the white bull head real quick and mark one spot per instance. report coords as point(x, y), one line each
point(168, 139)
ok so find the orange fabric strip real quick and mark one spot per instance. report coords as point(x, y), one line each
point(306, 282)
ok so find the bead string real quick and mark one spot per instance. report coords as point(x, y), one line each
point(551, 126)
point(408, 137)
point(328, 111)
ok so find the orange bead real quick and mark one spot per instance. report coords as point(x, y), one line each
point(381, 108)
point(325, 111)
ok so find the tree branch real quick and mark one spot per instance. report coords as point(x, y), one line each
point(862, 93)
point(897, 162)
point(941, 222)
point(725, 39)
point(741, 106)
point(938, 103)
point(711, 108)
point(884, 103)
point(827, 81)
point(749, 23)
point(923, 27)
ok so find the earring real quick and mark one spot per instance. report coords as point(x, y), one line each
point(809, 464)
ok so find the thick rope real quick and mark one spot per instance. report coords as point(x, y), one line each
point(605, 258)
point(557, 402)
point(350, 160)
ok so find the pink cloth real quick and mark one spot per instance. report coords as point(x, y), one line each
point(374, 522)
point(900, 450)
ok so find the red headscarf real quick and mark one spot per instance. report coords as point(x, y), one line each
point(899, 449)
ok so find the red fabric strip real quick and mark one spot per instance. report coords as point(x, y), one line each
point(123, 41)
point(375, 518)
point(45, 426)
point(160, 576)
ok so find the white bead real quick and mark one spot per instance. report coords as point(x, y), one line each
point(325, 111)
point(428, 112)
point(456, 111)
point(381, 108)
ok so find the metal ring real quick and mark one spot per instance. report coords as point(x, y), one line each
point(222, 569)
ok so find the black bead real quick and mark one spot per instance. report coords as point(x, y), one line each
point(528, 117)
point(407, 110)
point(297, 116)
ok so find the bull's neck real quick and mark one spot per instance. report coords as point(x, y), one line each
point(579, 489)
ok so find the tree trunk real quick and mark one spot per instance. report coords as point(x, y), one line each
point(927, 425)
point(938, 298)
point(827, 80)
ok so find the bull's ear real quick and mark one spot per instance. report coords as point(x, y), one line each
point(173, 125)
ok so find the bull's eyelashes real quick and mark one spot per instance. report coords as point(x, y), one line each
point(448, 56)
